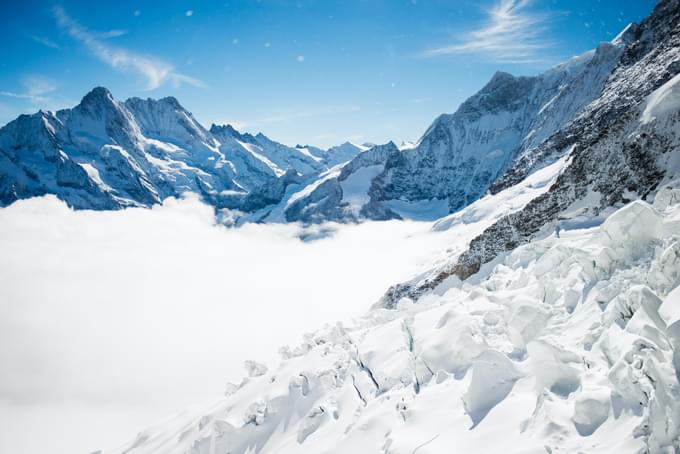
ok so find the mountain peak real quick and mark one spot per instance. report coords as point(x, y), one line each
point(626, 36)
point(501, 76)
point(98, 96)
point(222, 128)
point(225, 130)
point(171, 101)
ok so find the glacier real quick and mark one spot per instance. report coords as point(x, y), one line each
point(568, 344)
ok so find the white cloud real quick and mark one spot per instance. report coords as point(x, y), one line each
point(512, 34)
point(11, 94)
point(153, 309)
point(45, 41)
point(38, 85)
point(189, 13)
point(111, 34)
point(37, 88)
point(154, 70)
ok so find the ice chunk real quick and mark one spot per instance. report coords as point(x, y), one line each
point(663, 102)
point(591, 409)
point(548, 365)
point(526, 323)
point(254, 368)
point(493, 376)
point(632, 227)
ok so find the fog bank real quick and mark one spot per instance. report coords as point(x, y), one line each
point(110, 321)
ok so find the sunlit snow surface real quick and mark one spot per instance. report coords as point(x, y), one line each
point(565, 346)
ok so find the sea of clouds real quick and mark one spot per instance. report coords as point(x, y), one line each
point(111, 321)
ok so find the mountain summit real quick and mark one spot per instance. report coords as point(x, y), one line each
point(106, 154)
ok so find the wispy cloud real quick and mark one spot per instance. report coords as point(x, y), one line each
point(111, 34)
point(512, 34)
point(37, 89)
point(154, 70)
point(45, 41)
point(39, 85)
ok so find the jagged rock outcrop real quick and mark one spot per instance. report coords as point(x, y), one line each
point(461, 155)
point(622, 147)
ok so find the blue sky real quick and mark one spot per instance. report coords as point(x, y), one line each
point(307, 71)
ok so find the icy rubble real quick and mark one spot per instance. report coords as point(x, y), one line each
point(571, 343)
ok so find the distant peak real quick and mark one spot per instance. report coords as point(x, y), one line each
point(391, 144)
point(171, 100)
point(97, 95)
point(229, 129)
point(626, 36)
point(502, 75)
point(99, 91)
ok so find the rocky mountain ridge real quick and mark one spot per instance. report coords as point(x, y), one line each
point(623, 146)
point(107, 154)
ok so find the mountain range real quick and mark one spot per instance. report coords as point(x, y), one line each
point(551, 324)
point(108, 154)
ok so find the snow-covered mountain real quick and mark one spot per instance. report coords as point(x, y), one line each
point(623, 146)
point(552, 324)
point(462, 154)
point(106, 154)
point(114, 154)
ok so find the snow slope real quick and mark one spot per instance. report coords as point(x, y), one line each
point(566, 345)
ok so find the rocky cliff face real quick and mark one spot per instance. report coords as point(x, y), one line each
point(462, 155)
point(622, 146)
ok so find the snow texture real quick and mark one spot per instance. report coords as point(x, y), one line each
point(568, 344)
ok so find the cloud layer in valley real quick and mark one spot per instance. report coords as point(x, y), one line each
point(111, 320)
